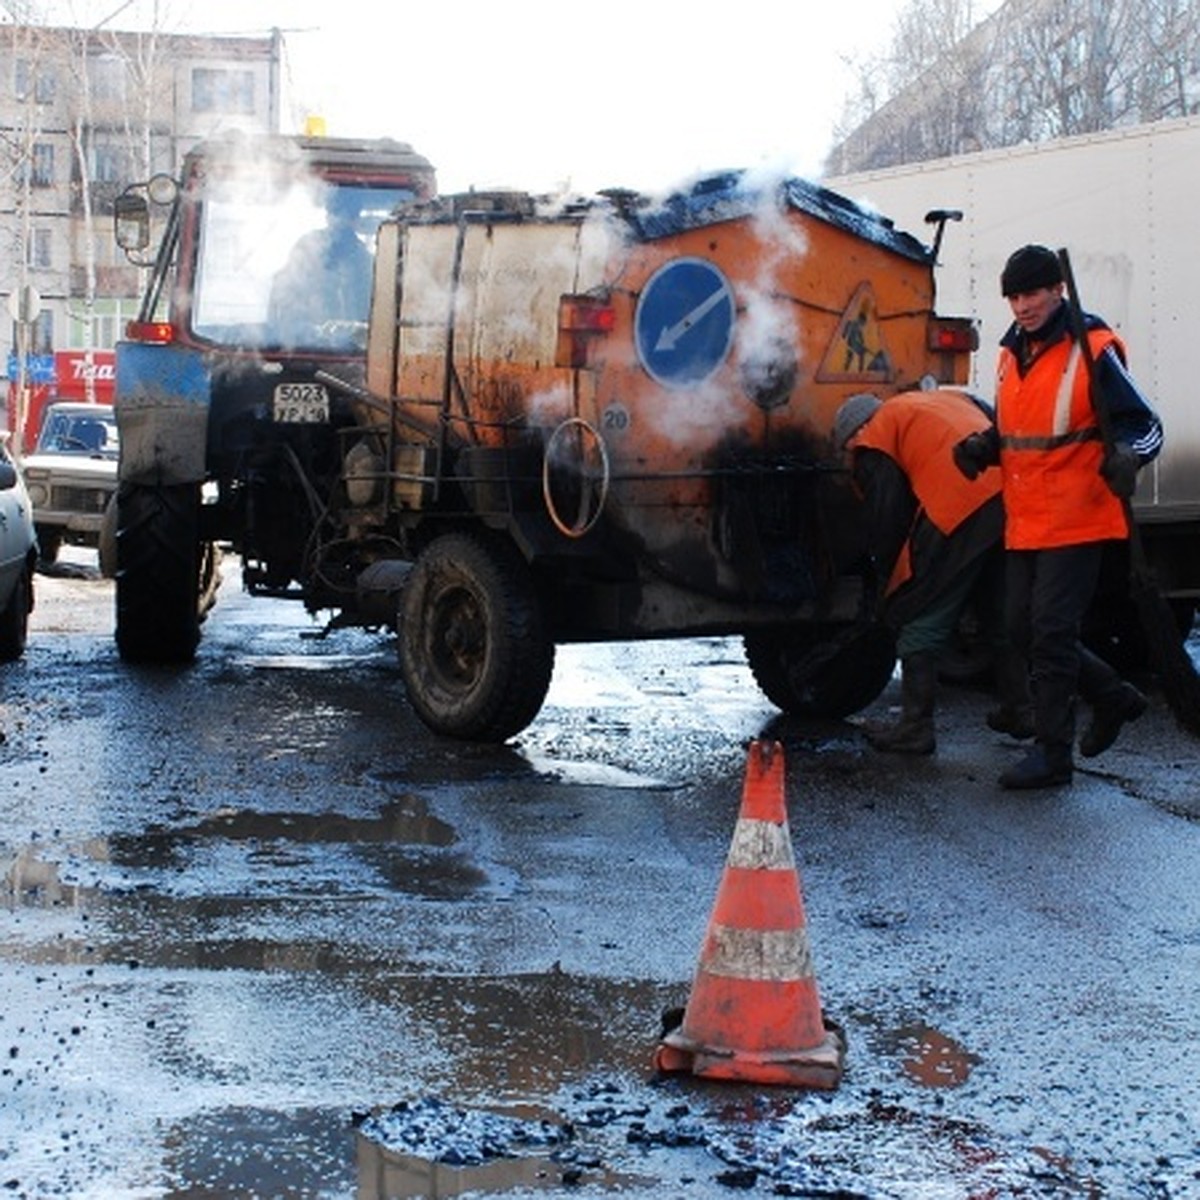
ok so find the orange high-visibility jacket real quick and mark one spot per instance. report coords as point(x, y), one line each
point(1051, 450)
point(918, 431)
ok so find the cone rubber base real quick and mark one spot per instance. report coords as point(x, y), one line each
point(819, 1066)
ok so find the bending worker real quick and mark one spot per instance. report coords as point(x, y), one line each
point(933, 535)
point(1065, 497)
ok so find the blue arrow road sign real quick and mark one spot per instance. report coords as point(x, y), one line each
point(684, 322)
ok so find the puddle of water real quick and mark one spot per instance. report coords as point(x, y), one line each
point(385, 1175)
point(405, 820)
point(258, 1152)
point(593, 774)
point(297, 662)
point(232, 853)
point(489, 764)
point(933, 1059)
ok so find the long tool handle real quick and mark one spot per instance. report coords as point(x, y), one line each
point(1168, 654)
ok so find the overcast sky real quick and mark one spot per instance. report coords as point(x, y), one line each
point(542, 94)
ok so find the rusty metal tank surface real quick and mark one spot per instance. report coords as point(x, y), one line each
point(686, 359)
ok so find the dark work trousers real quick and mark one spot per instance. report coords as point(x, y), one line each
point(1047, 595)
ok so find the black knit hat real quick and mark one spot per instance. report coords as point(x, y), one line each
point(1028, 269)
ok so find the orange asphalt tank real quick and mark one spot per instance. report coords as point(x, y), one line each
point(610, 420)
point(665, 352)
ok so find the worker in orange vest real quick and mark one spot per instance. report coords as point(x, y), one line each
point(1065, 498)
point(932, 535)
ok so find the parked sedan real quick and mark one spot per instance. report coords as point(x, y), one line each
point(18, 556)
point(72, 475)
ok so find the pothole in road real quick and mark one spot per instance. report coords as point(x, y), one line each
point(781, 1142)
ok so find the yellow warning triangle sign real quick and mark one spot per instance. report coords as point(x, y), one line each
point(857, 353)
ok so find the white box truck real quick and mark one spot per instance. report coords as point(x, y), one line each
point(1123, 204)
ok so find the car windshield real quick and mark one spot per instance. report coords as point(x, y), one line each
point(80, 433)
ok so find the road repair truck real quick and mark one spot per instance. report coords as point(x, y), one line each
point(1121, 204)
point(604, 419)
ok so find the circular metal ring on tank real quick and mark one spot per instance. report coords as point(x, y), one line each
point(574, 451)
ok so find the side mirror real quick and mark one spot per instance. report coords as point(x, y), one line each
point(131, 221)
point(8, 476)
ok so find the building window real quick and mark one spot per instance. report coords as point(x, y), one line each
point(217, 90)
point(28, 81)
point(41, 333)
point(44, 88)
point(37, 249)
point(42, 167)
point(108, 164)
point(107, 76)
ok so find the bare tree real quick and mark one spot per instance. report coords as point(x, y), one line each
point(1032, 70)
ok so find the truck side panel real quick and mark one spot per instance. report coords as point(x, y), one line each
point(731, 345)
point(1123, 204)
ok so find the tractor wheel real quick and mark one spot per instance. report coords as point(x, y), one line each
point(50, 539)
point(821, 672)
point(14, 620)
point(473, 647)
point(162, 573)
point(106, 545)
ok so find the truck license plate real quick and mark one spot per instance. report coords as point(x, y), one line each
point(301, 403)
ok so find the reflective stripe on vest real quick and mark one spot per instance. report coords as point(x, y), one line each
point(1063, 435)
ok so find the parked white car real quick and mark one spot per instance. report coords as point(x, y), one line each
point(18, 557)
point(72, 475)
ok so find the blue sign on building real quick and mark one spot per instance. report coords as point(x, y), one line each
point(39, 368)
point(683, 325)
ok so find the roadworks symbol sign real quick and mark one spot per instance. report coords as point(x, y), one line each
point(857, 353)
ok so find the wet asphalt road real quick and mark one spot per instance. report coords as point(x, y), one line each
point(262, 935)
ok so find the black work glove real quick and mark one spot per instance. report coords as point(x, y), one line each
point(1119, 469)
point(976, 452)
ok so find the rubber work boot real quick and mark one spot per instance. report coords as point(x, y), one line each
point(1015, 713)
point(1048, 764)
point(1016, 722)
point(913, 733)
point(1042, 767)
point(1108, 715)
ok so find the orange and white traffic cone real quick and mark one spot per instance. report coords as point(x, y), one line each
point(754, 1015)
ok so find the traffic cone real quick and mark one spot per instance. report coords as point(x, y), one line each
point(754, 1015)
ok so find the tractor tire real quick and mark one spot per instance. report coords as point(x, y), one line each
point(160, 581)
point(14, 620)
point(106, 544)
point(50, 540)
point(474, 651)
point(821, 673)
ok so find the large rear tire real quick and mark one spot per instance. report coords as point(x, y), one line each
point(50, 539)
point(821, 673)
point(160, 566)
point(14, 620)
point(106, 544)
point(474, 650)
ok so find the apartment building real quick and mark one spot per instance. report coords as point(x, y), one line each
point(82, 114)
